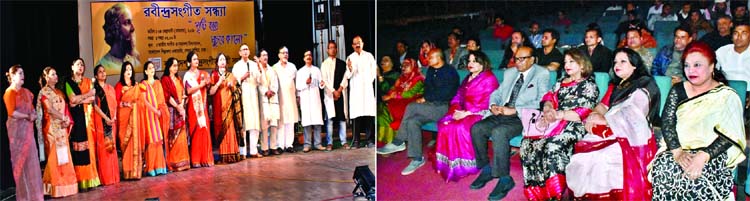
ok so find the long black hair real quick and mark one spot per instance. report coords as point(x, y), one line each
point(641, 78)
point(168, 65)
point(145, 66)
point(122, 73)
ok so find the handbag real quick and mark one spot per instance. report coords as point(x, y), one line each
point(532, 128)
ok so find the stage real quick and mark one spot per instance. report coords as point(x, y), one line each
point(316, 175)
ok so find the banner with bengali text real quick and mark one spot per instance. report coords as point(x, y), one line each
point(155, 31)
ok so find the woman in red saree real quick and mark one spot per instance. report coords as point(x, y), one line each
point(225, 111)
point(127, 124)
point(196, 81)
point(152, 118)
point(178, 157)
point(59, 177)
point(104, 121)
point(23, 152)
point(408, 87)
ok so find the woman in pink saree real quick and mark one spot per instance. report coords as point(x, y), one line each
point(609, 162)
point(454, 149)
point(23, 151)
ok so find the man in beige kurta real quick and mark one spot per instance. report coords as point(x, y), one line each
point(246, 72)
point(268, 90)
point(286, 72)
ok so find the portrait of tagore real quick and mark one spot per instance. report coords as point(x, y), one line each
point(119, 33)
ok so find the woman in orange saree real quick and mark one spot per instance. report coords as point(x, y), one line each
point(21, 115)
point(225, 112)
point(59, 177)
point(152, 118)
point(104, 121)
point(127, 124)
point(178, 158)
point(78, 90)
point(196, 81)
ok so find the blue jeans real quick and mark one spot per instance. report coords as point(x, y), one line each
point(315, 138)
point(329, 131)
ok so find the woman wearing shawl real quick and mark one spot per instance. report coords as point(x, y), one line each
point(196, 81)
point(387, 77)
point(178, 158)
point(454, 149)
point(127, 124)
point(408, 88)
point(610, 161)
point(704, 135)
point(153, 119)
point(20, 124)
point(78, 91)
point(104, 121)
point(59, 177)
point(544, 158)
point(225, 111)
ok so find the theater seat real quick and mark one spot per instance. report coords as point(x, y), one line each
point(499, 75)
point(602, 82)
point(665, 84)
point(462, 75)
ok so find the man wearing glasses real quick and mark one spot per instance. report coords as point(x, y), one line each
point(246, 72)
point(522, 87)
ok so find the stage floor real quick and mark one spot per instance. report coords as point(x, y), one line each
point(316, 175)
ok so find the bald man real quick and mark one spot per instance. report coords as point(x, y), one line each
point(522, 87)
point(440, 85)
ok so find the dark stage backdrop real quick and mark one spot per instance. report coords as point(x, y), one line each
point(34, 34)
point(37, 34)
point(288, 23)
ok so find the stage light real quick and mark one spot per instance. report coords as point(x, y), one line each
point(365, 181)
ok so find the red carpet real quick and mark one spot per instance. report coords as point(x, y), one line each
point(427, 184)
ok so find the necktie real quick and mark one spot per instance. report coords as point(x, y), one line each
point(514, 94)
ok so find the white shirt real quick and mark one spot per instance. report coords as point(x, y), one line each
point(736, 66)
point(287, 92)
point(362, 94)
point(328, 69)
point(249, 88)
point(654, 10)
point(309, 95)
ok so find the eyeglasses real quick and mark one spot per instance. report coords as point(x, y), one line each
point(520, 59)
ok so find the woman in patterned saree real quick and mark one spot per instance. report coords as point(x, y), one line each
point(225, 111)
point(59, 175)
point(153, 119)
point(570, 101)
point(20, 125)
point(454, 148)
point(704, 135)
point(178, 157)
point(610, 161)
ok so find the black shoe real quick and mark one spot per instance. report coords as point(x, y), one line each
point(355, 145)
point(276, 151)
point(290, 150)
point(265, 152)
point(501, 189)
point(481, 181)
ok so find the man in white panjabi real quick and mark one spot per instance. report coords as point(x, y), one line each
point(269, 99)
point(246, 72)
point(309, 82)
point(286, 72)
point(336, 78)
point(361, 65)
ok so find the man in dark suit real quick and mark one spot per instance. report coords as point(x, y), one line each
point(522, 87)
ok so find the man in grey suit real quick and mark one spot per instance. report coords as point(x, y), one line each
point(523, 87)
